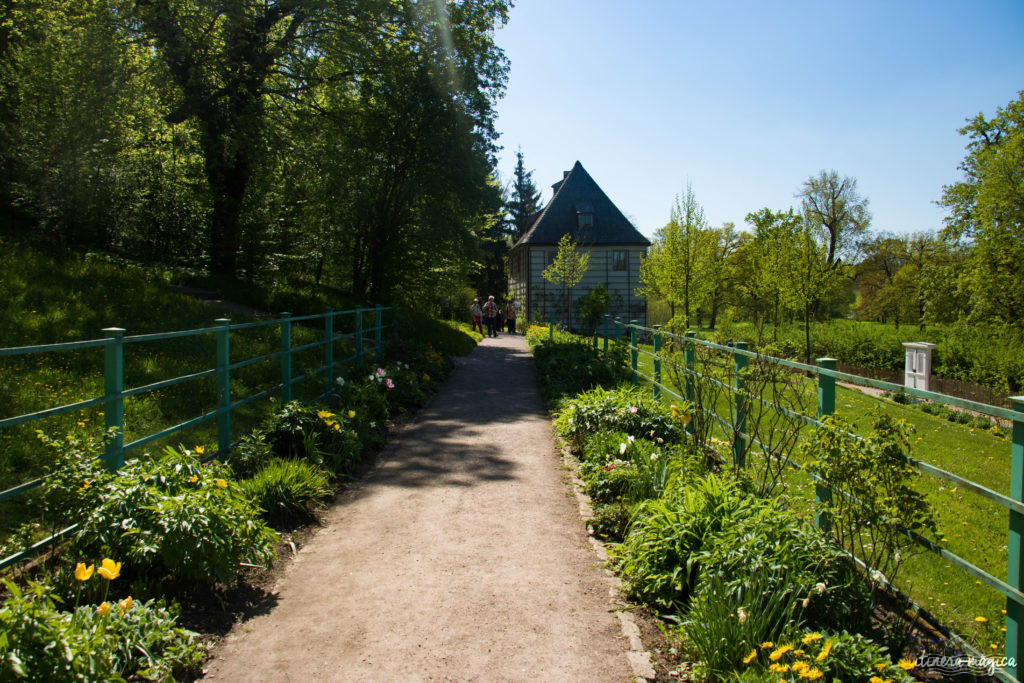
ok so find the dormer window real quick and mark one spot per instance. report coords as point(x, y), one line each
point(585, 215)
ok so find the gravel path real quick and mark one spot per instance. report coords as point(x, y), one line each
point(461, 556)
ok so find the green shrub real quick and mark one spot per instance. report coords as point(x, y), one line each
point(369, 405)
point(628, 410)
point(658, 556)
point(308, 432)
point(618, 466)
point(70, 487)
point(878, 502)
point(723, 626)
point(252, 452)
point(140, 641)
point(568, 365)
point(773, 547)
point(401, 386)
point(610, 522)
point(176, 516)
point(287, 488)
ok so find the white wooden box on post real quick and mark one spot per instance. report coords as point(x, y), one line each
point(918, 372)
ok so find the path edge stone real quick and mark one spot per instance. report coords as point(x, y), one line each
point(639, 658)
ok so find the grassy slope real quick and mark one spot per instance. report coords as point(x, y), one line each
point(49, 298)
point(969, 525)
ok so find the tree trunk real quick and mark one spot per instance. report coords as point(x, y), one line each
point(807, 334)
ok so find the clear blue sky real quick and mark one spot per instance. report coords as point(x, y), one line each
point(747, 99)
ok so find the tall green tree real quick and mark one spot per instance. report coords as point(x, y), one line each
point(222, 57)
point(568, 268)
point(673, 269)
point(836, 214)
point(986, 213)
point(525, 198)
point(768, 267)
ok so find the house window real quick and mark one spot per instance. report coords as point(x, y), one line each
point(550, 257)
point(586, 220)
point(619, 260)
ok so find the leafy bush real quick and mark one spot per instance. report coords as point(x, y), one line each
point(400, 385)
point(628, 410)
point(724, 626)
point(610, 522)
point(878, 502)
point(771, 546)
point(287, 488)
point(658, 556)
point(250, 454)
point(130, 639)
point(307, 432)
point(369, 405)
point(69, 490)
point(177, 516)
point(568, 365)
point(618, 466)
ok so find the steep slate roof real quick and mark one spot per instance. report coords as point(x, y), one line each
point(578, 193)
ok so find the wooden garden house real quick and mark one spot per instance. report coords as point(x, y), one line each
point(581, 209)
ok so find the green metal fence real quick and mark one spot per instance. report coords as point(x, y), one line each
point(826, 376)
point(367, 327)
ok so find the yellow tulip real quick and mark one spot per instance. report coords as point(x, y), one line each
point(200, 450)
point(125, 604)
point(83, 573)
point(103, 609)
point(109, 569)
point(324, 414)
point(221, 483)
point(194, 478)
point(351, 414)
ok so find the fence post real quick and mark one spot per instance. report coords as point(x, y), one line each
point(328, 348)
point(1015, 560)
point(377, 337)
point(607, 322)
point(113, 385)
point(826, 406)
point(286, 357)
point(223, 386)
point(690, 366)
point(633, 350)
point(739, 414)
point(657, 361)
point(359, 334)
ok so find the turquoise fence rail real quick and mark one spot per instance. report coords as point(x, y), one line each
point(826, 376)
point(368, 328)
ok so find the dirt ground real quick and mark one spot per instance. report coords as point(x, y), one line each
point(461, 556)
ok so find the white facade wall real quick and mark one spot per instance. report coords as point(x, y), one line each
point(541, 298)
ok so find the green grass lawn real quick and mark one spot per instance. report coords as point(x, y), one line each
point(969, 525)
point(50, 299)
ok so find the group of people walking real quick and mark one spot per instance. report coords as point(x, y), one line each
point(496, 317)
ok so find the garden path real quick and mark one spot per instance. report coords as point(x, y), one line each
point(460, 556)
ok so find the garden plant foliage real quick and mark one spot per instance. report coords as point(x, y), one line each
point(757, 591)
